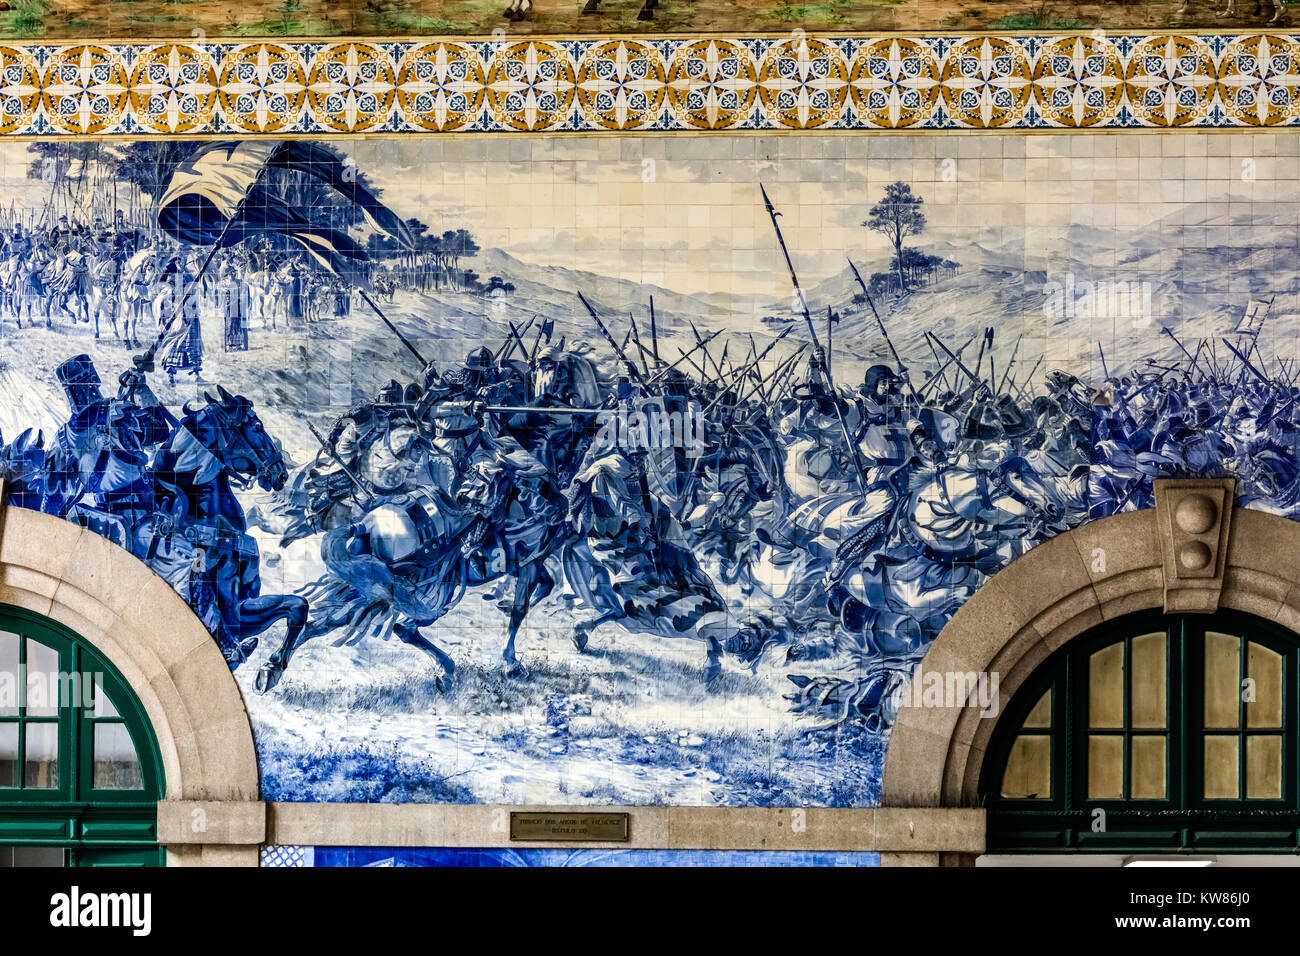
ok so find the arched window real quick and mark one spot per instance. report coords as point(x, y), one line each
point(1152, 732)
point(80, 774)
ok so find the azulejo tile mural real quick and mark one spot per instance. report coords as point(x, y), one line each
point(625, 469)
point(798, 82)
point(304, 856)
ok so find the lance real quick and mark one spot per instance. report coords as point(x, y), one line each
point(325, 446)
point(939, 362)
point(705, 378)
point(685, 357)
point(1105, 372)
point(545, 410)
point(1006, 372)
point(753, 357)
point(902, 369)
point(610, 339)
point(936, 378)
point(516, 336)
point(1020, 389)
point(365, 297)
point(654, 333)
point(1192, 357)
point(812, 333)
point(992, 371)
point(1247, 363)
point(780, 373)
point(956, 360)
point(636, 340)
point(754, 365)
point(707, 354)
point(537, 343)
point(830, 338)
point(984, 343)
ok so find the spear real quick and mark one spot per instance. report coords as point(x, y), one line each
point(1006, 372)
point(956, 359)
point(1020, 389)
point(1170, 333)
point(654, 333)
point(1247, 363)
point(902, 369)
point(812, 333)
point(516, 336)
point(830, 338)
point(762, 355)
point(685, 357)
point(636, 340)
point(939, 362)
point(610, 339)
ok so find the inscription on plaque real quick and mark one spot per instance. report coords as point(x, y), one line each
point(596, 827)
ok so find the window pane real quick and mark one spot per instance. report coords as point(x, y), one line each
point(1264, 767)
point(116, 765)
point(1222, 680)
point(1264, 668)
point(42, 680)
point(1147, 703)
point(1147, 773)
point(1105, 766)
point(8, 674)
point(26, 856)
point(102, 707)
point(8, 755)
point(1040, 718)
point(1221, 769)
point(41, 760)
point(1106, 687)
point(1029, 768)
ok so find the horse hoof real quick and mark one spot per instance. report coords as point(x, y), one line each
point(266, 679)
point(712, 675)
point(513, 669)
point(443, 683)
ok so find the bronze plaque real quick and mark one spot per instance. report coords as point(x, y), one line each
point(594, 827)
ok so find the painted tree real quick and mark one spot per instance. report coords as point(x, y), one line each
point(897, 216)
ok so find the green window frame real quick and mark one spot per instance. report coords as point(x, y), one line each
point(80, 768)
point(1109, 747)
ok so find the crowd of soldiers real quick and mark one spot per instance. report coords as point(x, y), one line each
point(752, 507)
point(850, 556)
point(750, 523)
point(131, 279)
point(752, 504)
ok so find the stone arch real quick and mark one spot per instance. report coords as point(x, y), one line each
point(1098, 572)
point(133, 617)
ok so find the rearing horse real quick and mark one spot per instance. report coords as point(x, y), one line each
point(217, 446)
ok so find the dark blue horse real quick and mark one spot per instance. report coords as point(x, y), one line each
point(217, 446)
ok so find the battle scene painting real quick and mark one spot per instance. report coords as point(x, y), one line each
point(126, 19)
point(635, 470)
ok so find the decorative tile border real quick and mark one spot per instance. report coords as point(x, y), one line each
point(624, 84)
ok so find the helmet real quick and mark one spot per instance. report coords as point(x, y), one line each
point(78, 370)
point(875, 377)
point(390, 393)
point(479, 360)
